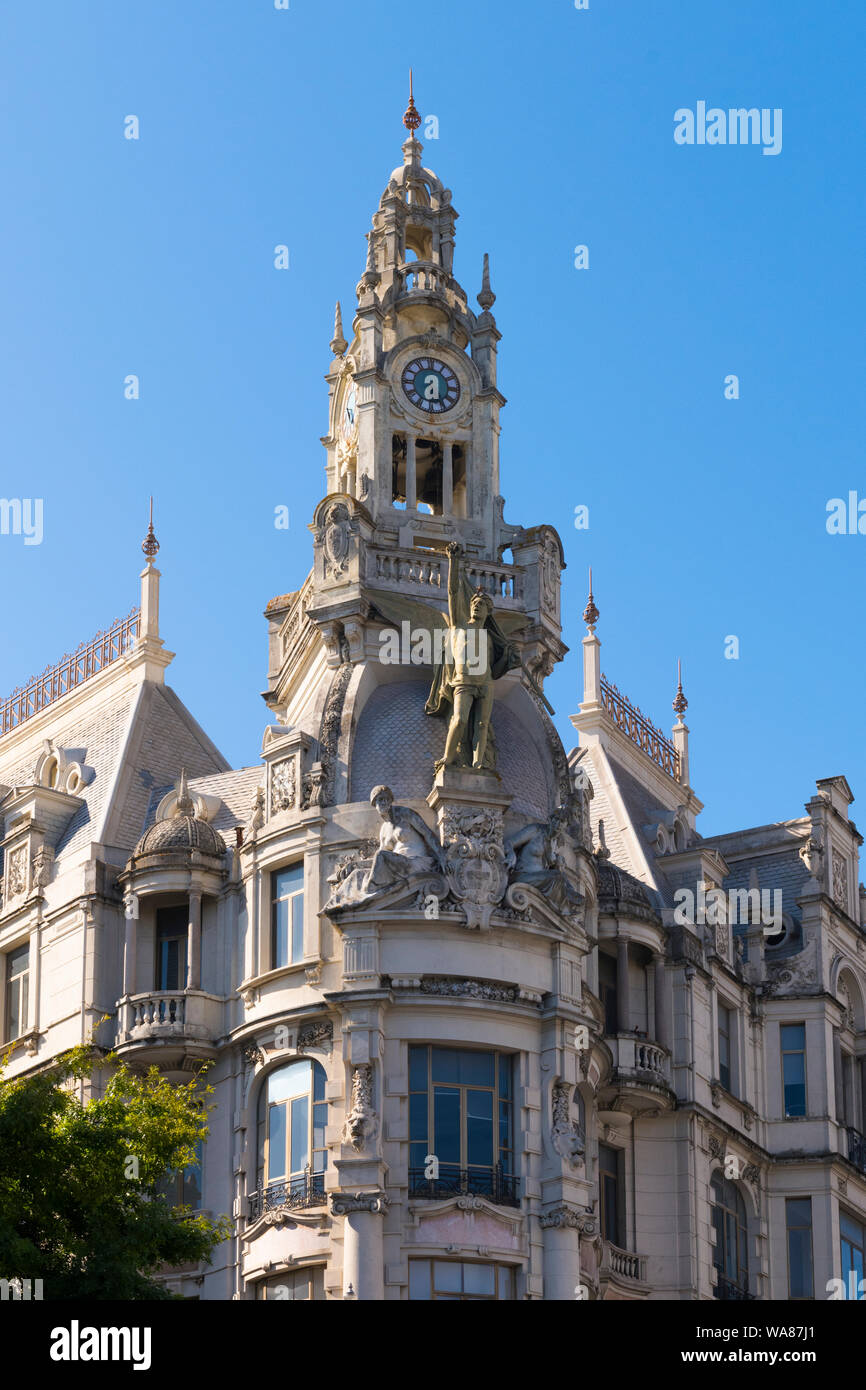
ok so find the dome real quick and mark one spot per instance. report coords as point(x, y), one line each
point(623, 887)
point(182, 832)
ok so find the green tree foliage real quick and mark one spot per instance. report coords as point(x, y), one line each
point(72, 1211)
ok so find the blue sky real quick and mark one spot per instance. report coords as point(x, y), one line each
point(259, 127)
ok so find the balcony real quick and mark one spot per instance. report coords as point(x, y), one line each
point(305, 1190)
point(857, 1149)
point(641, 1075)
point(188, 1020)
point(622, 1273)
point(497, 1186)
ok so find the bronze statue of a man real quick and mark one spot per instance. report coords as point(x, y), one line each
point(477, 653)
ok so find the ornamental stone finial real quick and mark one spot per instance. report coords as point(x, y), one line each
point(411, 118)
point(590, 613)
point(150, 545)
point(486, 298)
point(680, 703)
point(338, 342)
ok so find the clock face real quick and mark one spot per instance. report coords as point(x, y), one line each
point(350, 414)
point(431, 385)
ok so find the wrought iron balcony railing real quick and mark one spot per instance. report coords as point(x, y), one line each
point(305, 1190)
point(730, 1291)
point(857, 1149)
point(497, 1186)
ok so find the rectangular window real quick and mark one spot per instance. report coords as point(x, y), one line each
point(459, 1283)
point(172, 926)
point(460, 1113)
point(294, 1286)
point(181, 1187)
point(17, 991)
point(853, 1239)
point(793, 1046)
point(610, 1195)
point(798, 1219)
point(607, 993)
point(726, 1032)
point(287, 923)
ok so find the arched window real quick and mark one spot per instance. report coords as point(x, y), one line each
point(292, 1156)
point(731, 1255)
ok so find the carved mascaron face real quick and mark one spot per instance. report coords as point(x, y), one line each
point(430, 385)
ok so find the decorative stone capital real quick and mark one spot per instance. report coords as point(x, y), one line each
point(565, 1217)
point(347, 1203)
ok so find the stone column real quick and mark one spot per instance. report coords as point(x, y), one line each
point(561, 1231)
point(193, 969)
point(363, 1244)
point(662, 1029)
point(411, 491)
point(447, 478)
point(623, 1013)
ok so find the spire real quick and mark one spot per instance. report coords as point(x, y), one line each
point(590, 613)
point(338, 342)
point(371, 276)
point(486, 298)
point(184, 805)
point(411, 119)
point(150, 545)
point(680, 703)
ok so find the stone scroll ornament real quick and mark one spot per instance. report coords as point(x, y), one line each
point(474, 861)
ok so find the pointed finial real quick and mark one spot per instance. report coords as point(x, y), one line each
point(411, 119)
point(590, 613)
point(371, 276)
point(680, 704)
point(150, 545)
point(486, 298)
point(338, 342)
point(184, 806)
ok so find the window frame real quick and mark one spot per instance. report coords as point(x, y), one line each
point(617, 1177)
point(17, 985)
point(861, 1247)
point(733, 1219)
point(502, 1093)
point(294, 922)
point(317, 1118)
point(790, 1229)
point(793, 1052)
point(504, 1276)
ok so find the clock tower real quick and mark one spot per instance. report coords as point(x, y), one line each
point(413, 448)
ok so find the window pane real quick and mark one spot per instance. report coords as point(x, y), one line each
point(479, 1127)
point(276, 1142)
point(447, 1276)
point(281, 934)
point(506, 1282)
point(319, 1080)
point(300, 1136)
point(793, 1037)
point(320, 1120)
point(851, 1229)
point(298, 927)
point(477, 1069)
point(480, 1280)
point(419, 1279)
point(289, 880)
point(446, 1064)
point(446, 1120)
point(418, 1117)
point(417, 1068)
point(800, 1263)
point(290, 1081)
point(505, 1077)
